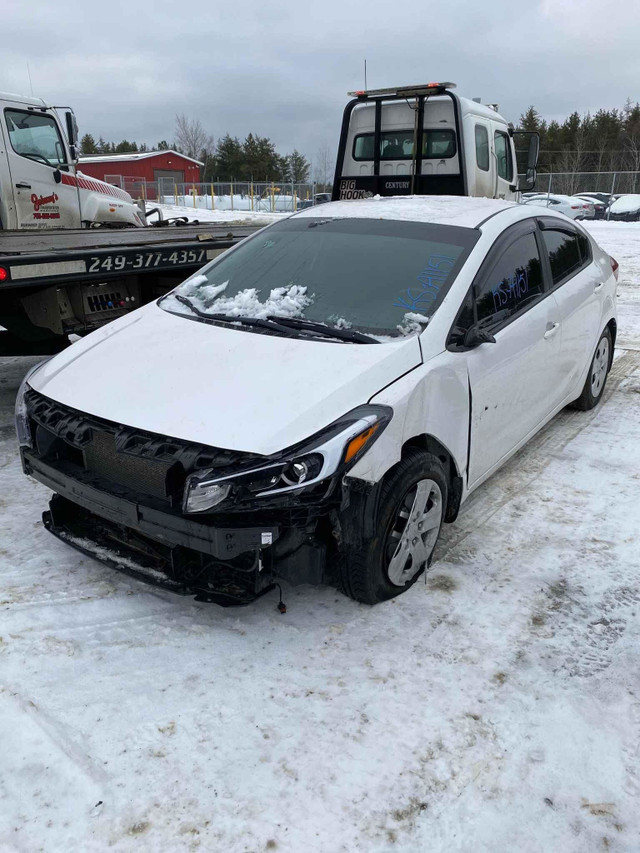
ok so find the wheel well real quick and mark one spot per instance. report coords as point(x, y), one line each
point(432, 445)
point(613, 328)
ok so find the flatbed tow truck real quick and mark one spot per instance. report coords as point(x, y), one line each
point(76, 252)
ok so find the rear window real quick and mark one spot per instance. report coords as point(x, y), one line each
point(380, 277)
point(565, 256)
point(398, 145)
point(568, 251)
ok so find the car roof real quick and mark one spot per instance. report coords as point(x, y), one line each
point(463, 211)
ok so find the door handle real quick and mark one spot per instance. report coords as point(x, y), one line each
point(24, 186)
point(598, 286)
point(551, 330)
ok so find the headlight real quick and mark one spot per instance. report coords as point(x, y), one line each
point(22, 418)
point(332, 451)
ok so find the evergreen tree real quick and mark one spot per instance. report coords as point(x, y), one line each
point(88, 145)
point(125, 147)
point(299, 167)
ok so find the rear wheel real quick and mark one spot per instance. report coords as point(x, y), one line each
point(411, 507)
point(597, 377)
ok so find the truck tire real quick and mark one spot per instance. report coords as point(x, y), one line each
point(410, 511)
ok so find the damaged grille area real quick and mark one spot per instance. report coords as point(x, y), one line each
point(120, 457)
point(133, 472)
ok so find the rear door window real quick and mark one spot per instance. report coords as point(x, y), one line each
point(565, 255)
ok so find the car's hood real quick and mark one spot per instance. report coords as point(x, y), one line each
point(220, 386)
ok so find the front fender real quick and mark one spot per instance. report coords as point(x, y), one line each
point(432, 400)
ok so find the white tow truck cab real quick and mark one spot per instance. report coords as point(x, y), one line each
point(40, 185)
point(426, 140)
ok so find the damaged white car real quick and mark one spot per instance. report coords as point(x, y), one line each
point(319, 399)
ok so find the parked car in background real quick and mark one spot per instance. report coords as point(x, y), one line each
point(626, 208)
point(605, 198)
point(417, 344)
point(571, 206)
point(599, 207)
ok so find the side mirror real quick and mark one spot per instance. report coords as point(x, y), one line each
point(475, 336)
point(72, 128)
point(57, 175)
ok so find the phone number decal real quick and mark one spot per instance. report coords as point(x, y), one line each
point(146, 260)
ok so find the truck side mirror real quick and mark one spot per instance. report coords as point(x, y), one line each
point(72, 129)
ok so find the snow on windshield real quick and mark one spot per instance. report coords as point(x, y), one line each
point(289, 301)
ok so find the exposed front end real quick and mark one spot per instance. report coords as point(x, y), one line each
point(218, 524)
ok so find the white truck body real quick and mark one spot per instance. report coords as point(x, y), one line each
point(426, 140)
point(40, 185)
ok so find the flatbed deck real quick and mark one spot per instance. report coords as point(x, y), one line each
point(83, 239)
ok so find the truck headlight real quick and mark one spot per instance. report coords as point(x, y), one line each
point(23, 430)
point(327, 454)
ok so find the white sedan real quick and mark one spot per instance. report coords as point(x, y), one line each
point(319, 399)
point(572, 206)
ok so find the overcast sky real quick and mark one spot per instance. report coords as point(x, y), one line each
point(282, 69)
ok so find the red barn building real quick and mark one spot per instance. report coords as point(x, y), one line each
point(165, 169)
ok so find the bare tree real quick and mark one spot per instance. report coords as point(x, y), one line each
point(191, 137)
point(324, 165)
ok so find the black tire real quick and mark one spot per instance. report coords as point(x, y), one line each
point(364, 569)
point(596, 380)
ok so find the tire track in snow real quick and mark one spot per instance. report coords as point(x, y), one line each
point(59, 735)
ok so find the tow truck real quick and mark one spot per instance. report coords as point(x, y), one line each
point(428, 140)
point(76, 252)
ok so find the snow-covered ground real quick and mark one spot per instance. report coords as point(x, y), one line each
point(219, 215)
point(496, 708)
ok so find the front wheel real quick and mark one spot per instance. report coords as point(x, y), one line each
point(411, 507)
point(597, 376)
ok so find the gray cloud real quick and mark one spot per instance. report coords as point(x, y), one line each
point(283, 70)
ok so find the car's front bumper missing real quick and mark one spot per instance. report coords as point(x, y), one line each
point(225, 564)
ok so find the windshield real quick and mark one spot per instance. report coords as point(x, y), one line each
point(380, 277)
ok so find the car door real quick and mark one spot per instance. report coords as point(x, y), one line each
point(513, 382)
point(36, 153)
point(578, 286)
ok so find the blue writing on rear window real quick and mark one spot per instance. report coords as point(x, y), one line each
point(430, 280)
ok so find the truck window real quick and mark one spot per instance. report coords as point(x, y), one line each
point(398, 145)
point(482, 147)
point(503, 155)
point(36, 136)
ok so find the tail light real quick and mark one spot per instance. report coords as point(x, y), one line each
point(614, 266)
point(575, 207)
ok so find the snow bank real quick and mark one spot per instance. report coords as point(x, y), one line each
point(220, 216)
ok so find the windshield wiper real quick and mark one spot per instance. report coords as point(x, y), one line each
point(283, 325)
point(255, 322)
point(328, 331)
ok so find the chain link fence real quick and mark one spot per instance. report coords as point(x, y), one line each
point(260, 197)
point(571, 183)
